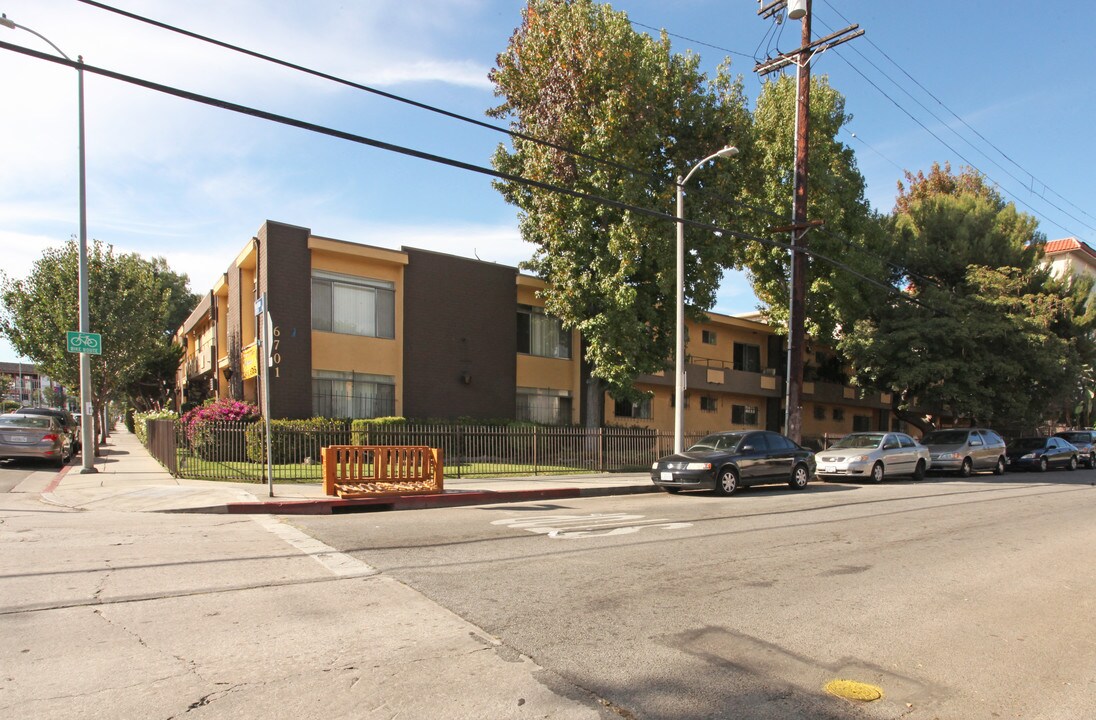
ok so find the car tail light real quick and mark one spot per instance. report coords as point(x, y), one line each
point(51, 437)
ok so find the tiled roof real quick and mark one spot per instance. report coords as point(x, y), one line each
point(1065, 245)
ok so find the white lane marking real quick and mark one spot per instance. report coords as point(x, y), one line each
point(338, 563)
point(566, 527)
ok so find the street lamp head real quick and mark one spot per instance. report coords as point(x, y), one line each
point(728, 152)
point(6, 22)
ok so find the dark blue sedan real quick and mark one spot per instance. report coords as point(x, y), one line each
point(727, 461)
point(1041, 453)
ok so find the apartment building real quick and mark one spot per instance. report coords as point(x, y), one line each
point(364, 331)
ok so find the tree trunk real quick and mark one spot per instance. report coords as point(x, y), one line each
point(908, 417)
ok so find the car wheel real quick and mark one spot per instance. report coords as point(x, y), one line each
point(877, 472)
point(999, 468)
point(726, 482)
point(1043, 464)
point(966, 468)
point(919, 471)
point(800, 476)
point(1090, 462)
point(671, 490)
point(1072, 462)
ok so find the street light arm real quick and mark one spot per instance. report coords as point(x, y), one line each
point(729, 151)
point(9, 23)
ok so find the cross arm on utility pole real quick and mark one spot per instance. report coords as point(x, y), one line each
point(820, 45)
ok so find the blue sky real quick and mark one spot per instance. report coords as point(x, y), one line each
point(192, 183)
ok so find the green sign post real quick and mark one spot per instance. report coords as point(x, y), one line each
point(91, 343)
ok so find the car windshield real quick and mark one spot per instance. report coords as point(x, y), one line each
point(867, 440)
point(1028, 444)
point(23, 421)
point(945, 437)
point(722, 441)
point(1076, 437)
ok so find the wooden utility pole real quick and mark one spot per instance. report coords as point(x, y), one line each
point(797, 290)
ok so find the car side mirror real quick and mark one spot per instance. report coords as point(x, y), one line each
point(747, 448)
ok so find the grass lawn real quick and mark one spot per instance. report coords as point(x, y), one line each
point(195, 468)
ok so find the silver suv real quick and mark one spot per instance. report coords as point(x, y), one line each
point(964, 450)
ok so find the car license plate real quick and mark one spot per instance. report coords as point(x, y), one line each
point(19, 438)
point(829, 468)
point(667, 477)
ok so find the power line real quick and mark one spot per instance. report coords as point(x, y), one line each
point(687, 39)
point(357, 86)
point(960, 119)
point(430, 157)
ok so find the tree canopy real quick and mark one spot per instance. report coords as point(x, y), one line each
point(852, 232)
point(131, 304)
point(993, 337)
point(575, 74)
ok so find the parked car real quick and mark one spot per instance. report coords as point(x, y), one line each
point(726, 461)
point(71, 426)
point(875, 456)
point(34, 436)
point(964, 450)
point(1085, 442)
point(1041, 453)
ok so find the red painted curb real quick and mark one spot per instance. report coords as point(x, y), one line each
point(56, 479)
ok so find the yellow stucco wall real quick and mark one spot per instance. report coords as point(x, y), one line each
point(353, 353)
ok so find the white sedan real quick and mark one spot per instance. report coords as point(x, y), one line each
point(875, 456)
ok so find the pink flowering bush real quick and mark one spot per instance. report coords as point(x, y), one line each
point(207, 434)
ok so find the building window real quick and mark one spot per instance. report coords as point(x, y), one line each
point(352, 395)
point(542, 335)
point(861, 423)
point(673, 399)
point(626, 408)
point(744, 414)
point(708, 403)
point(708, 337)
point(839, 414)
point(747, 357)
point(353, 305)
point(819, 412)
point(539, 405)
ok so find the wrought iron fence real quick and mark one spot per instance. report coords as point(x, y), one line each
point(237, 451)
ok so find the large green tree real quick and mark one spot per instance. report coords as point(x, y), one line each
point(852, 233)
point(129, 305)
point(576, 74)
point(155, 384)
point(986, 334)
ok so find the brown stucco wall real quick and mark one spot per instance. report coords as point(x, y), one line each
point(460, 337)
point(285, 276)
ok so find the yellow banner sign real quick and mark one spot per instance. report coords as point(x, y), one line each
point(250, 361)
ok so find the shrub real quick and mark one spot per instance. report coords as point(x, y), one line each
point(202, 424)
point(138, 420)
point(292, 441)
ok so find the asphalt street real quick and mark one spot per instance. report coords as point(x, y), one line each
point(959, 598)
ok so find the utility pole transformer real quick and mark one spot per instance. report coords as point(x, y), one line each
point(797, 282)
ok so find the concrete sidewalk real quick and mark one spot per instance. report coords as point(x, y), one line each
point(130, 479)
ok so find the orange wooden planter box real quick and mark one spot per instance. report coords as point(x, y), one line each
point(378, 470)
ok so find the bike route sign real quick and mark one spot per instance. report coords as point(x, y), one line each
point(78, 342)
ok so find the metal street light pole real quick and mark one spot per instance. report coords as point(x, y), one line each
point(87, 424)
point(679, 346)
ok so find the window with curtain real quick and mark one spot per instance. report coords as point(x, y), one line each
point(542, 335)
point(353, 305)
point(352, 395)
point(541, 405)
point(638, 409)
